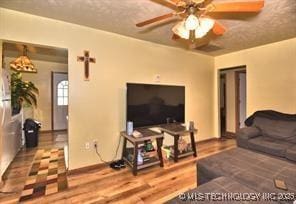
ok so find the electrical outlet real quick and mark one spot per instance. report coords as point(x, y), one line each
point(87, 145)
point(95, 144)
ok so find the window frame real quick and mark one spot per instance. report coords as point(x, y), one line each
point(62, 90)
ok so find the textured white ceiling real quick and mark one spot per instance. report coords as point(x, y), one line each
point(276, 22)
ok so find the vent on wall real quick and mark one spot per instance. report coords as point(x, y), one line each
point(209, 48)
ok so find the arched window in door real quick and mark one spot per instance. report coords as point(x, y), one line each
point(62, 90)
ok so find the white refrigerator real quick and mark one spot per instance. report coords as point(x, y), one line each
point(11, 126)
point(6, 98)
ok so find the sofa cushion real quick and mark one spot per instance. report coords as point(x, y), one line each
point(269, 145)
point(277, 129)
point(254, 170)
point(249, 132)
point(291, 153)
point(246, 133)
point(218, 186)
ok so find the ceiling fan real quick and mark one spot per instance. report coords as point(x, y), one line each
point(195, 22)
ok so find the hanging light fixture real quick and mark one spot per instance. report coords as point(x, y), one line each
point(191, 22)
point(23, 63)
point(201, 26)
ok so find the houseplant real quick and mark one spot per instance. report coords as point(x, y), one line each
point(22, 92)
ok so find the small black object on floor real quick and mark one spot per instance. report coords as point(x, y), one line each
point(117, 165)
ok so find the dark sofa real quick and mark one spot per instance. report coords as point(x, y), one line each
point(221, 185)
point(266, 151)
point(275, 136)
point(250, 169)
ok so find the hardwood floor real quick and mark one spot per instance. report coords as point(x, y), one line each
point(104, 185)
point(16, 174)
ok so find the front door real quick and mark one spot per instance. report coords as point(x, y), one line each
point(60, 100)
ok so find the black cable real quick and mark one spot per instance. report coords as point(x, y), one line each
point(116, 153)
point(99, 155)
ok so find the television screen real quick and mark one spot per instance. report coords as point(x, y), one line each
point(149, 105)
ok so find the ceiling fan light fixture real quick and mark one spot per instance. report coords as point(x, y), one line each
point(191, 22)
point(206, 24)
point(180, 30)
point(23, 63)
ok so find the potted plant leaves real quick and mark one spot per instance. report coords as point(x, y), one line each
point(22, 92)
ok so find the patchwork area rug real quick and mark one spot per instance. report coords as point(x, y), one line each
point(47, 174)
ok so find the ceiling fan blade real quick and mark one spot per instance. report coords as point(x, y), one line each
point(153, 20)
point(177, 2)
point(252, 6)
point(207, 2)
point(218, 28)
point(198, 1)
point(173, 1)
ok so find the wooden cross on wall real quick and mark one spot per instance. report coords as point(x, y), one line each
point(86, 59)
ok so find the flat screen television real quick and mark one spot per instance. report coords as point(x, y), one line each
point(149, 104)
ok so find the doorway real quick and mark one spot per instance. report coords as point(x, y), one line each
point(241, 96)
point(223, 104)
point(45, 60)
point(59, 86)
point(232, 100)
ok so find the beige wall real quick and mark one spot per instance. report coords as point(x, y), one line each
point(1, 108)
point(97, 107)
point(271, 76)
point(42, 81)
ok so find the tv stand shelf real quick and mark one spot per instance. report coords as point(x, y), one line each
point(181, 154)
point(147, 135)
point(153, 161)
point(176, 130)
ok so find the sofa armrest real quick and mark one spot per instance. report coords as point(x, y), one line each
point(245, 134)
point(249, 132)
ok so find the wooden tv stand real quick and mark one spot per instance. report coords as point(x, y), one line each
point(147, 135)
point(176, 130)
